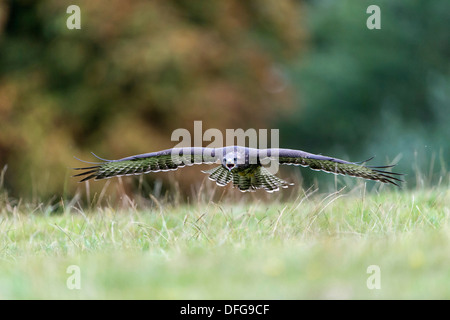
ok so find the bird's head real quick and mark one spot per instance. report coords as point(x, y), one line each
point(231, 160)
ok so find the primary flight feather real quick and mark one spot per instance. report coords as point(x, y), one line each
point(239, 165)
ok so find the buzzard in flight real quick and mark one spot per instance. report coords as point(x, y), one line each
point(243, 166)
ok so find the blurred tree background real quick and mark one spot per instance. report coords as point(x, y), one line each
point(137, 70)
point(380, 92)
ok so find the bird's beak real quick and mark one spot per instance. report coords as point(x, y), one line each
point(230, 166)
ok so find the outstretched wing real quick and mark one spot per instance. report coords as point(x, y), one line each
point(333, 165)
point(166, 160)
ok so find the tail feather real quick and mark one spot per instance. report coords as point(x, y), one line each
point(270, 182)
point(220, 175)
point(244, 183)
point(261, 178)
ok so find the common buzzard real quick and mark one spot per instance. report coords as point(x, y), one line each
point(240, 165)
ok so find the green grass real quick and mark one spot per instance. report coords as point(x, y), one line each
point(315, 246)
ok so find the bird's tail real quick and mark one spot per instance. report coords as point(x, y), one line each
point(261, 178)
point(220, 175)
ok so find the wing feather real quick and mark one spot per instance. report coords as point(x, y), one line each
point(166, 160)
point(333, 165)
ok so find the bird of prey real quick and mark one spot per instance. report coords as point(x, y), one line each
point(239, 165)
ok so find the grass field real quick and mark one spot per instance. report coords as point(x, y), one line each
point(314, 246)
